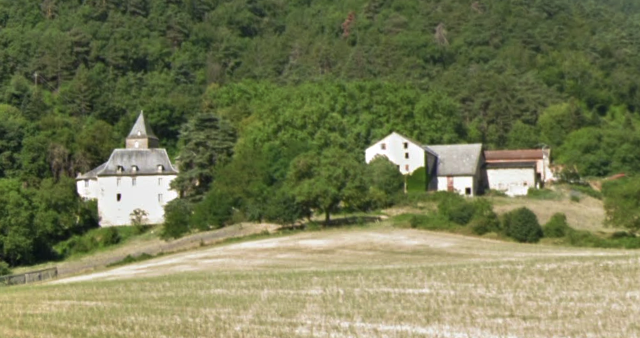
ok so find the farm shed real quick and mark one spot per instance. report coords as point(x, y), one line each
point(513, 178)
point(459, 168)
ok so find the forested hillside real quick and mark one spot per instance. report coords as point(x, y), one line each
point(279, 90)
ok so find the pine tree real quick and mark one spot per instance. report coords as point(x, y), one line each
point(208, 142)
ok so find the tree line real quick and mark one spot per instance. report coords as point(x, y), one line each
point(286, 84)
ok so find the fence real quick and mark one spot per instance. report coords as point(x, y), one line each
point(29, 277)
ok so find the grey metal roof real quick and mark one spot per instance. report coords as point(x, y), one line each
point(141, 129)
point(457, 159)
point(146, 160)
point(92, 174)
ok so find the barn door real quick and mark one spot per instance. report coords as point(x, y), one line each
point(450, 183)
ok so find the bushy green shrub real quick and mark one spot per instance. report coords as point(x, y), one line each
point(585, 239)
point(622, 234)
point(215, 210)
point(283, 209)
point(522, 225)
point(543, 194)
point(94, 239)
point(621, 202)
point(455, 208)
point(495, 193)
point(132, 259)
point(484, 218)
point(385, 177)
point(4, 268)
point(177, 218)
point(110, 237)
point(557, 226)
point(429, 221)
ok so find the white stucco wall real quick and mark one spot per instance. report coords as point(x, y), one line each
point(460, 184)
point(514, 181)
point(88, 189)
point(395, 151)
point(144, 195)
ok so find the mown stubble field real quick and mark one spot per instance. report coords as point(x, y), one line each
point(368, 282)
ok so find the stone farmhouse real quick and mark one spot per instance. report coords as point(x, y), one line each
point(448, 167)
point(466, 168)
point(136, 177)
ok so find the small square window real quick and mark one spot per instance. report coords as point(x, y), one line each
point(383, 146)
point(467, 191)
point(118, 197)
point(133, 181)
point(406, 155)
point(406, 145)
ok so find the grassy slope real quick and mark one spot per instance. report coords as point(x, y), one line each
point(372, 281)
point(149, 243)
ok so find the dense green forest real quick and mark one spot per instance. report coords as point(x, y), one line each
point(271, 94)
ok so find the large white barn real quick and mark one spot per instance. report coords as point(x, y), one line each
point(136, 177)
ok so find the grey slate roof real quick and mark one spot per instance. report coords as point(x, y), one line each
point(147, 161)
point(142, 127)
point(457, 159)
point(92, 174)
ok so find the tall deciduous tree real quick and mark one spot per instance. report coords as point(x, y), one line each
point(324, 181)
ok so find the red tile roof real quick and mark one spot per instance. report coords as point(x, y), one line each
point(522, 154)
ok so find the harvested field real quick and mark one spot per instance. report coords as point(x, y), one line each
point(365, 282)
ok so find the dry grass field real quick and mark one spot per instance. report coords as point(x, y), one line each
point(360, 282)
point(587, 214)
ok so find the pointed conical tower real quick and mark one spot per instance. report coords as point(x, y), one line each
point(141, 136)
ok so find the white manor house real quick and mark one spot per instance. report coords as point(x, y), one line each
point(136, 177)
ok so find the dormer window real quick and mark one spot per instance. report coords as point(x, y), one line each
point(160, 168)
point(139, 133)
point(134, 169)
point(120, 169)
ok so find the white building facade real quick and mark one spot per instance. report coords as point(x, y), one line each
point(137, 177)
point(514, 179)
point(405, 153)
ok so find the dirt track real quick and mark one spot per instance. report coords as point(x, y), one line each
point(336, 249)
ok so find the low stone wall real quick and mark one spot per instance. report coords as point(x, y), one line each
point(29, 277)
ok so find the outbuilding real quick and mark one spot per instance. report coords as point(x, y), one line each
point(512, 178)
point(459, 168)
